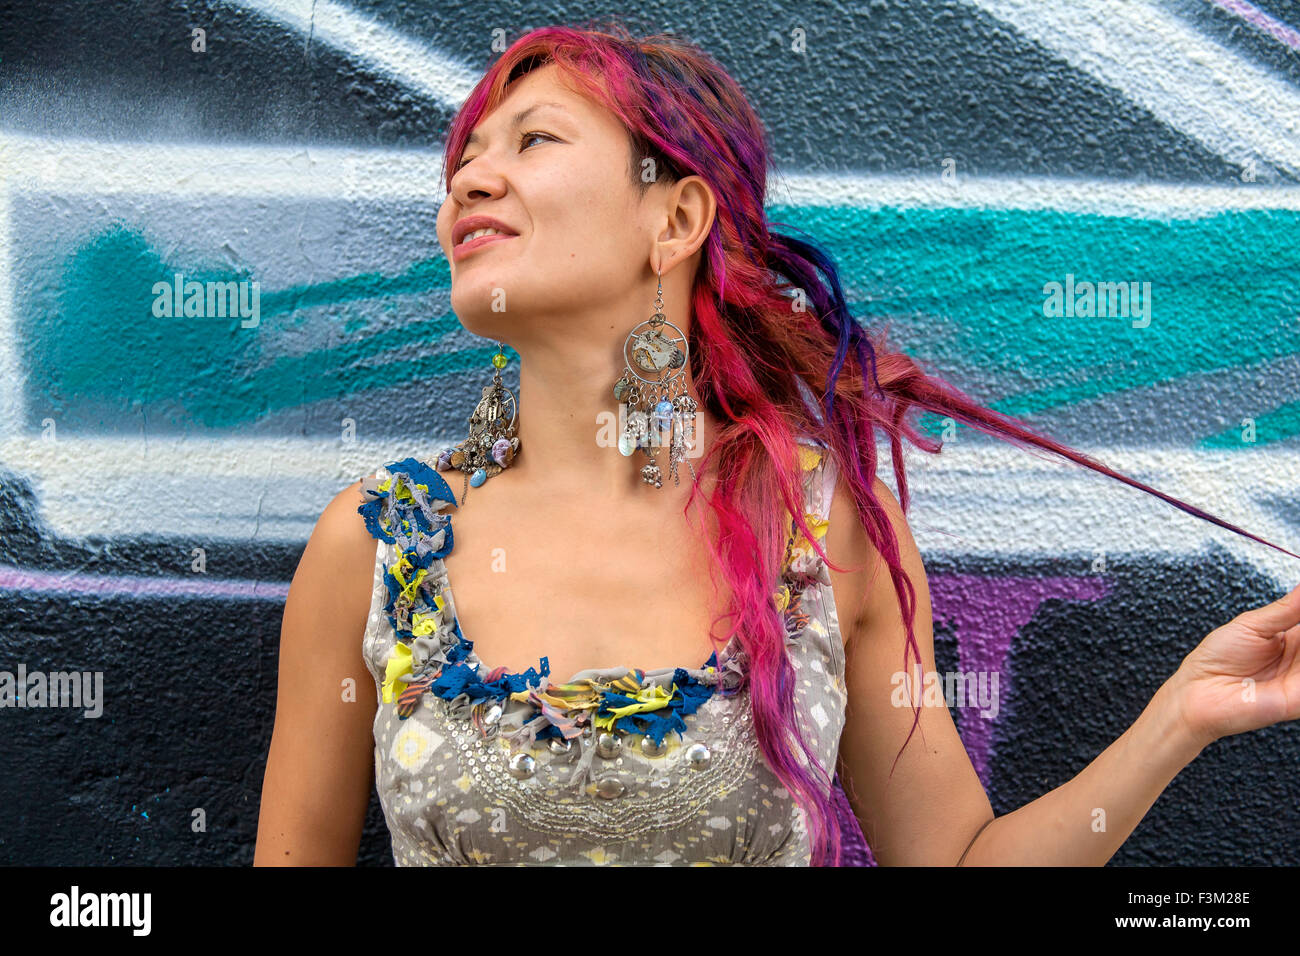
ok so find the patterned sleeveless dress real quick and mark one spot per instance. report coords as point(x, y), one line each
point(617, 766)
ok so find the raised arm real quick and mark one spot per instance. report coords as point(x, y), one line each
point(934, 811)
point(320, 767)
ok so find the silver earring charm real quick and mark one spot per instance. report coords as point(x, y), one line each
point(653, 387)
point(493, 442)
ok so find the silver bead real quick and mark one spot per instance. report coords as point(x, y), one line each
point(608, 787)
point(560, 746)
point(587, 731)
point(698, 756)
point(522, 766)
point(493, 714)
point(608, 745)
point(652, 749)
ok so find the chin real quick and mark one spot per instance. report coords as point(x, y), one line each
point(475, 314)
point(479, 322)
point(472, 298)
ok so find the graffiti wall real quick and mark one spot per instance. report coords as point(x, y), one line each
point(1084, 213)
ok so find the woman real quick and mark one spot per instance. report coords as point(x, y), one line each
point(630, 264)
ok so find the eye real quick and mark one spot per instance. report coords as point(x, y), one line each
point(523, 138)
point(527, 136)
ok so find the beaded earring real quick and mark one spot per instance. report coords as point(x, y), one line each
point(492, 443)
point(657, 402)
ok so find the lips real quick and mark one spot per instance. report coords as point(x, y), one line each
point(473, 223)
point(461, 250)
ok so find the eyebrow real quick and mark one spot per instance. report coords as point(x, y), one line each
point(519, 117)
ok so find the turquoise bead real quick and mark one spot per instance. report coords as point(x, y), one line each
point(664, 413)
point(478, 478)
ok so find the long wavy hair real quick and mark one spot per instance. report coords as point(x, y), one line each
point(769, 325)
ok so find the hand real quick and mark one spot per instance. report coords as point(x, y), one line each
point(1243, 675)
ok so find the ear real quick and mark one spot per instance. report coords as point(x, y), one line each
point(689, 210)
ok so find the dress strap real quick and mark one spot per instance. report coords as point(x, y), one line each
point(802, 564)
point(824, 480)
point(820, 475)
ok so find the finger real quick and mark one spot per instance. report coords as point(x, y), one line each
point(1281, 615)
point(1291, 640)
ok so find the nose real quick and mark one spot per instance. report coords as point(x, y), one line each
point(476, 180)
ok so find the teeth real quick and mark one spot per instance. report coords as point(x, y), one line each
point(482, 232)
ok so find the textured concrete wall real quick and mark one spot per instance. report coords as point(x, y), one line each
point(159, 474)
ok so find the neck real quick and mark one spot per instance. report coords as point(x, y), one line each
point(569, 425)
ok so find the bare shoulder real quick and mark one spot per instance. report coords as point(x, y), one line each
point(341, 524)
point(337, 566)
point(864, 591)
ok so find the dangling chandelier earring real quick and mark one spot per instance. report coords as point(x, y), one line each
point(492, 443)
point(656, 399)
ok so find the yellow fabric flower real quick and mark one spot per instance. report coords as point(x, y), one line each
point(653, 697)
point(782, 597)
point(423, 623)
point(399, 664)
point(403, 491)
point(409, 586)
point(648, 698)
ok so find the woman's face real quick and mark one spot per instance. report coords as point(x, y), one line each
point(559, 179)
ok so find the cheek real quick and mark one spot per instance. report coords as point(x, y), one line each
point(582, 200)
point(587, 226)
point(443, 226)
